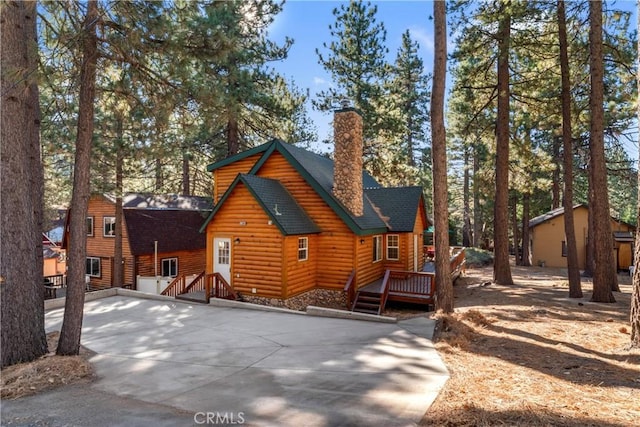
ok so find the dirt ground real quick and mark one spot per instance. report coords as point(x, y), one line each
point(524, 355)
point(527, 355)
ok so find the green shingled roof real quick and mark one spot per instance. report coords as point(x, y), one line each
point(388, 208)
point(399, 206)
point(276, 201)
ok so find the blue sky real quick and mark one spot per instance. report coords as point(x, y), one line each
point(307, 22)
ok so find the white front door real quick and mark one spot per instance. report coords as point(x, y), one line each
point(222, 257)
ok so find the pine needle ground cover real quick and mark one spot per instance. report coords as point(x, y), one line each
point(49, 371)
point(527, 355)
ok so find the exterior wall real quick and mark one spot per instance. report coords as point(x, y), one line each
point(336, 243)
point(368, 271)
point(103, 247)
point(547, 239)
point(189, 262)
point(224, 176)
point(299, 276)
point(257, 260)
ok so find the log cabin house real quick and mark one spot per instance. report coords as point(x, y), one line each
point(160, 237)
point(548, 242)
point(288, 221)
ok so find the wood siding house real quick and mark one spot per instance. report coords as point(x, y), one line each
point(156, 227)
point(287, 221)
point(548, 245)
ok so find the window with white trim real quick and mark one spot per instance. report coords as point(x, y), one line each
point(169, 267)
point(90, 226)
point(303, 248)
point(109, 226)
point(377, 248)
point(393, 247)
point(92, 266)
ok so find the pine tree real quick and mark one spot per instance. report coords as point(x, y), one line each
point(21, 293)
point(604, 275)
point(356, 63)
point(444, 287)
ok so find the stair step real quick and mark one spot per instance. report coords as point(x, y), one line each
point(367, 306)
point(368, 299)
point(186, 297)
point(364, 310)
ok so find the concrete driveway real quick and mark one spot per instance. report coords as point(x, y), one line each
point(232, 366)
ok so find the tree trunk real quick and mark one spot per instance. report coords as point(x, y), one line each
point(69, 343)
point(514, 228)
point(477, 212)
point(501, 268)
point(444, 286)
point(186, 184)
point(159, 177)
point(555, 187)
point(21, 292)
point(573, 269)
point(233, 137)
point(634, 315)
point(526, 237)
point(605, 277)
point(467, 238)
point(590, 261)
point(118, 268)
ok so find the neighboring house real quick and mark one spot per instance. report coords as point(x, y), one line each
point(287, 221)
point(548, 242)
point(54, 258)
point(160, 237)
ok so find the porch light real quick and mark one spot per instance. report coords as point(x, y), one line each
point(237, 240)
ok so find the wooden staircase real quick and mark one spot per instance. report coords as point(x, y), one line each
point(368, 302)
point(201, 288)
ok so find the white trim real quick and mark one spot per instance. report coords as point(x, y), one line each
point(92, 233)
point(104, 226)
point(175, 259)
point(397, 247)
point(99, 266)
point(304, 249)
point(378, 253)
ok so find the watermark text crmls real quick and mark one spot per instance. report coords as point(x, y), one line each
point(219, 418)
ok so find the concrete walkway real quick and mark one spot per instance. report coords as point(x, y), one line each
point(239, 366)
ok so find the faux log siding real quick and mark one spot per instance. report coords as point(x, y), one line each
point(300, 276)
point(103, 247)
point(368, 271)
point(224, 176)
point(336, 242)
point(257, 259)
point(189, 262)
point(406, 243)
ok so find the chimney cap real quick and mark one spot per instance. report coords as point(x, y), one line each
point(345, 103)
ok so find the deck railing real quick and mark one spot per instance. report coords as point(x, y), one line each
point(176, 287)
point(218, 287)
point(386, 285)
point(458, 260)
point(350, 290)
point(197, 284)
point(411, 283)
point(57, 280)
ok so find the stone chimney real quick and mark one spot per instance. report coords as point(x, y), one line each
point(347, 158)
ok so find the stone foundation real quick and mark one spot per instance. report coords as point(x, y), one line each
point(318, 297)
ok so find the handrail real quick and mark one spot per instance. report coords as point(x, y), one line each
point(458, 259)
point(197, 284)
point(176, 287)
point(350, 290)
point(385, 291)
point(222, 289)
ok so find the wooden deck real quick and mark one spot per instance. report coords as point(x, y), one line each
point(405, 286)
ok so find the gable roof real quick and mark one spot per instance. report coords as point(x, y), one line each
point(163, 201)
point(550, 215)
point(399, 206)
point(317, 171)
point(175, 230)
point(276, 201)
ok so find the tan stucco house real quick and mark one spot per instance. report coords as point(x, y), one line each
point(548, 242)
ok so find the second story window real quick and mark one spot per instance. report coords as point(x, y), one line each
point(90, 226)
point(109, 226)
